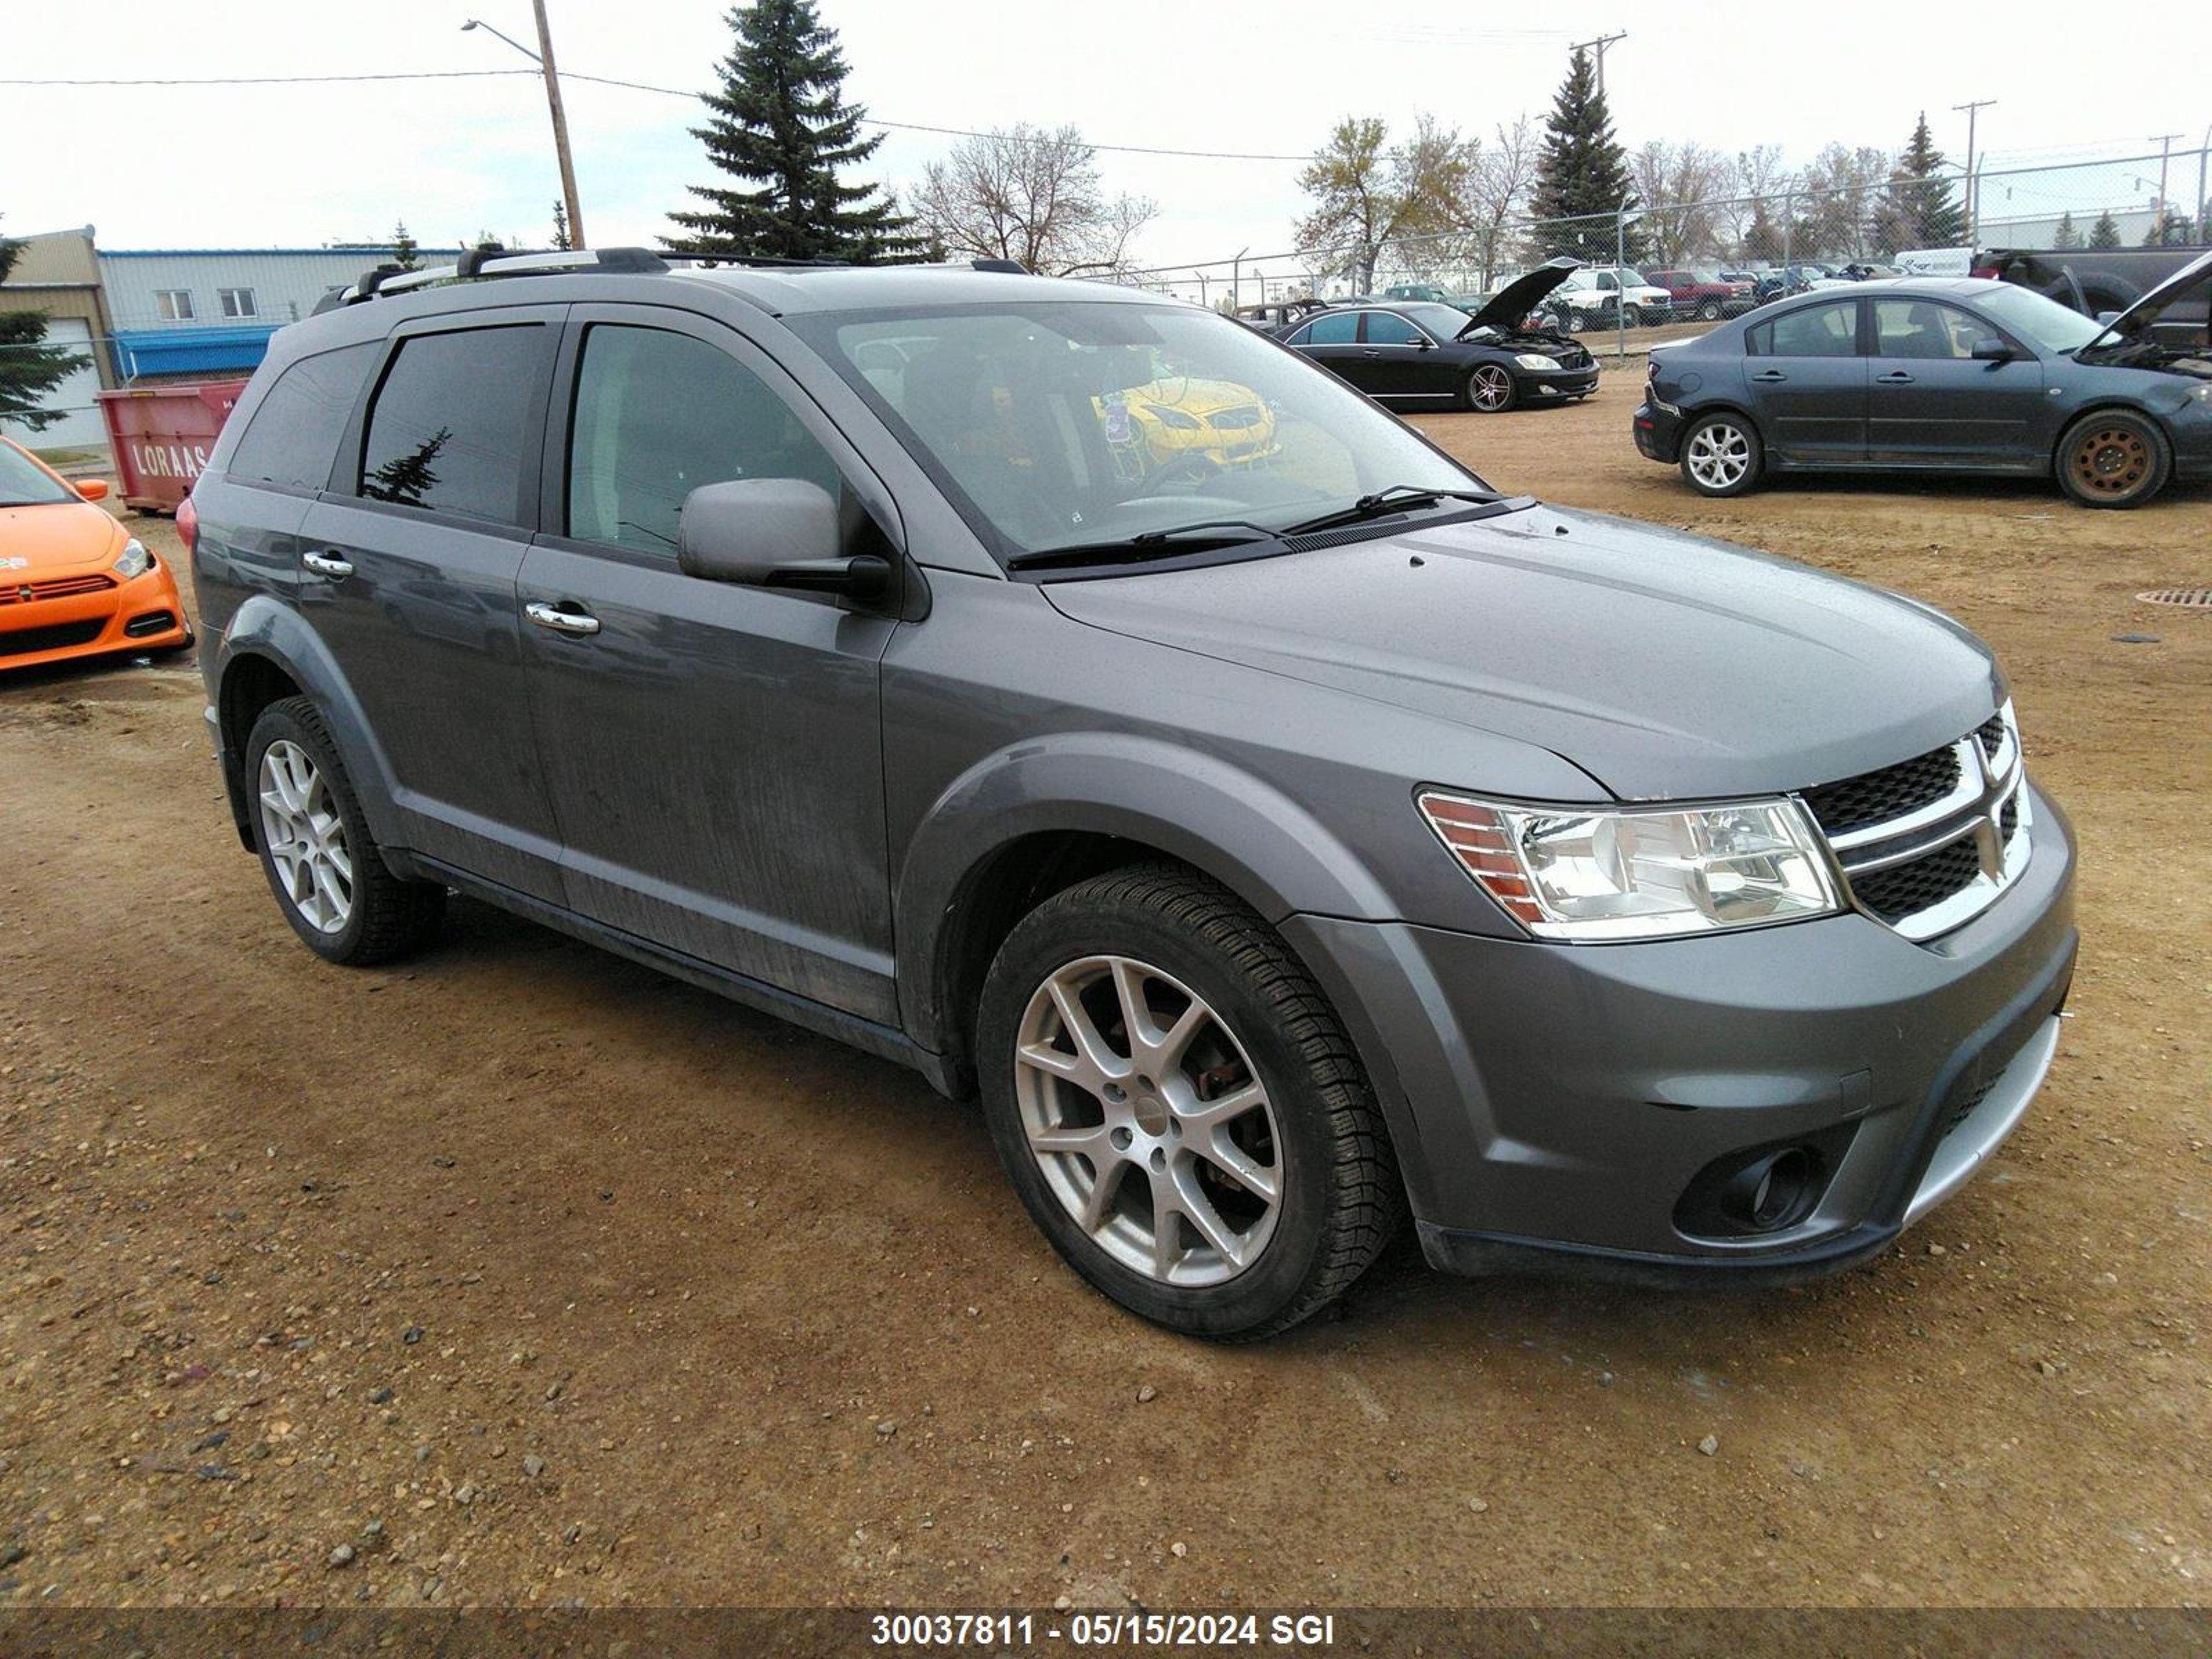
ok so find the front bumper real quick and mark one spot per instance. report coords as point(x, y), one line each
point(1556, 385)
point(1564, 1106)
point(143, 614)
point(1658, 430)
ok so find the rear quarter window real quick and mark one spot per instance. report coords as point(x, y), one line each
point(292, 440)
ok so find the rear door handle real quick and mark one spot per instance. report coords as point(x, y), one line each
point(1770, 375)
point(328, 564)
point(1895, 377)
point(577, 623)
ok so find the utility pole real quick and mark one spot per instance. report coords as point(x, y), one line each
point(2164, 210)
point(1600, 44)
point(544, 59)
point(1973, 184)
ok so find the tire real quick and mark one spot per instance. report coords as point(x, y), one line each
point(1633, 316)
point(1721, 455)
point(2113, 458)
point(1490, 389)
point(1263, 1032)
point(296, 784)
point(1710, 312)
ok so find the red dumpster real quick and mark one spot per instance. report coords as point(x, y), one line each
point(162, 437)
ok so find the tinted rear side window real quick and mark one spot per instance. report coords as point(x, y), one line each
point(293, 440)
point(452, 421)
point(1826, 331)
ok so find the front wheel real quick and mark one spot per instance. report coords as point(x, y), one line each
point(1710, 312)
point(2113, 458)
point(1633, 316)
point(1490, 389)
point(1179, 1108)
point(1721, 455)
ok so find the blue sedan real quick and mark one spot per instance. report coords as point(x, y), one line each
point(1956, 375)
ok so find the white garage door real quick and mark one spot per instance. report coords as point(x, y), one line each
point(80, 426)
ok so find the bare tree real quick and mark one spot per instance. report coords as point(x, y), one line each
point(1367, 195)
point(1681, 185)
point(1498, 180)
point(1840, 201)
point(1031, 196)
point(1755, 179)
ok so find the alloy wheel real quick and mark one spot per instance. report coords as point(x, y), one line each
point(1148, 1121)
point(1491, 388)
point(305, 836)
point(2111, 461)
point(1719, 455)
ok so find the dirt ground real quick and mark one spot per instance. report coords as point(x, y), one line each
point(527, 1276)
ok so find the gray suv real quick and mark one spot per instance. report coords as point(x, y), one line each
point(1090, 703)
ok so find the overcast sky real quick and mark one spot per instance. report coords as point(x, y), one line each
point(201, 167)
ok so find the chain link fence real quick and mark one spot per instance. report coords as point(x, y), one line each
point(1797, 231)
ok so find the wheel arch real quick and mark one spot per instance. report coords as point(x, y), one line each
point(1026, 823)
point(269, 653)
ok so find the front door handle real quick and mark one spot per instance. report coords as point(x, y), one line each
point(1769, 376)
point(1370, 352)
point(576, 623)
point(1895, 377)
point(328, 564)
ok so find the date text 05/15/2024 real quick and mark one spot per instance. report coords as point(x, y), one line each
point(953, 1631)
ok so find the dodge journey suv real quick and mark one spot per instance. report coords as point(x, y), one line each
point(1278, 837)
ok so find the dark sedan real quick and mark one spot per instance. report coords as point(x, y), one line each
point(1932, 374)
point(1427, 355)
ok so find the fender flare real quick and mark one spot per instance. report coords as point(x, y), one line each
point(265, 627)
point(1258, 842)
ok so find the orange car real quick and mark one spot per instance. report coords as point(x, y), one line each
point(73, 581)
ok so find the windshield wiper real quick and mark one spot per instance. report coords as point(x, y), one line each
point(1147, 544)
point(1383, 502)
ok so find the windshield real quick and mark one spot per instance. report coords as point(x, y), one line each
point(1072, 423)
point(23, 483)
point(1442, 320)
point(2043, 323)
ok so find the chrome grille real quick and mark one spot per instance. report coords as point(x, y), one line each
point(1926, 845)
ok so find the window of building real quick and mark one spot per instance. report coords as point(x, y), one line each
point(238, 302)
point(451, 424)
point(659, 414)
point(174, 305)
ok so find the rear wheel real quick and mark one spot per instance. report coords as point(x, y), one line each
point(1178, 1107)
point(324, 866)
point(2113, 458)
point(1710, 312)
point(1490, 389)
point(1721, 455)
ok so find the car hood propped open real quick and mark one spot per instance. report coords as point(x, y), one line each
point(1511, 304)
point(2134, 323)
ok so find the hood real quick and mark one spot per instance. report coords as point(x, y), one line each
point(1513, 302)
point(2136, 321)
point(1664, 665)
point(63, 536)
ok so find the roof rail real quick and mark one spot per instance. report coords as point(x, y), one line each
point(1013, 267)
point(485, 262)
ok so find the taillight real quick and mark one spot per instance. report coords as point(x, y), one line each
point(188, 523)
point(1989, 271)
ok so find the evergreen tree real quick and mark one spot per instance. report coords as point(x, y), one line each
point(29, 368)
point(779, 125)
point(404, 254)
point(1927, 214)
point(2105, 234)
point(1581, 172)
point(2066, 238)
point(561, 240)
point(1762, 238)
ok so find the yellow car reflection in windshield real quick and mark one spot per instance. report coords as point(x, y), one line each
point(1176, 418)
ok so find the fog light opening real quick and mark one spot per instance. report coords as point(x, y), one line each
point(1773, 1192)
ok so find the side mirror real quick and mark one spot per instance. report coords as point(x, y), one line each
point(1990, 349)
point(774, 533)
point(93, 489)
point(1423, 343)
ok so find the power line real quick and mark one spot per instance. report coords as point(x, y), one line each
point(596, 79)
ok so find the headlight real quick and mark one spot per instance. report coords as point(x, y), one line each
point(1531, 360)
point(136, 560)
point(1579, 872)
point(1172, 417)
